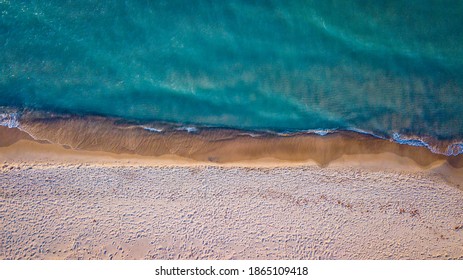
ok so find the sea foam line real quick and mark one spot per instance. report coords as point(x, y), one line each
point(10, 120)
point(152, 129)
point(453, 149)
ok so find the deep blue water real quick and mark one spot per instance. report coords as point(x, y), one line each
point(383, 67)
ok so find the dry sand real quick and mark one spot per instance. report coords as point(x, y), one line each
point(58, 203)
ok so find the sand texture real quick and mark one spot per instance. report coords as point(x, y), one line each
point(93, 211)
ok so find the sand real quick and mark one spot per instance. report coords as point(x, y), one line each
point(208, 212)
point(66, 203)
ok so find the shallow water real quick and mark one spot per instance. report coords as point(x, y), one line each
point(384, 67)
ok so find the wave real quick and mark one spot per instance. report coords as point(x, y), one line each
point(410, 141)
point(451, 149)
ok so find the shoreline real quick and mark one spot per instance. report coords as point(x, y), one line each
point(116, 136)
point(24, 120)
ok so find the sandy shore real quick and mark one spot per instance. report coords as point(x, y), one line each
point(62, 203)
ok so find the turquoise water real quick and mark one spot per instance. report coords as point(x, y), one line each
point(385, 67)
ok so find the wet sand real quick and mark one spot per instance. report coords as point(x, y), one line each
point(81, 189)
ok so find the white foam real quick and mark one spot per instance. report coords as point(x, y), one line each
point(152, 129)
point(189, 129)
point(9, 119)
point(455, 149)
point(321, 132)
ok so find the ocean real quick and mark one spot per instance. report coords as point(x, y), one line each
point(393, 69)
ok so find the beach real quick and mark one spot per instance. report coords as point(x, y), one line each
point(63, 202)
point(217, 130)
